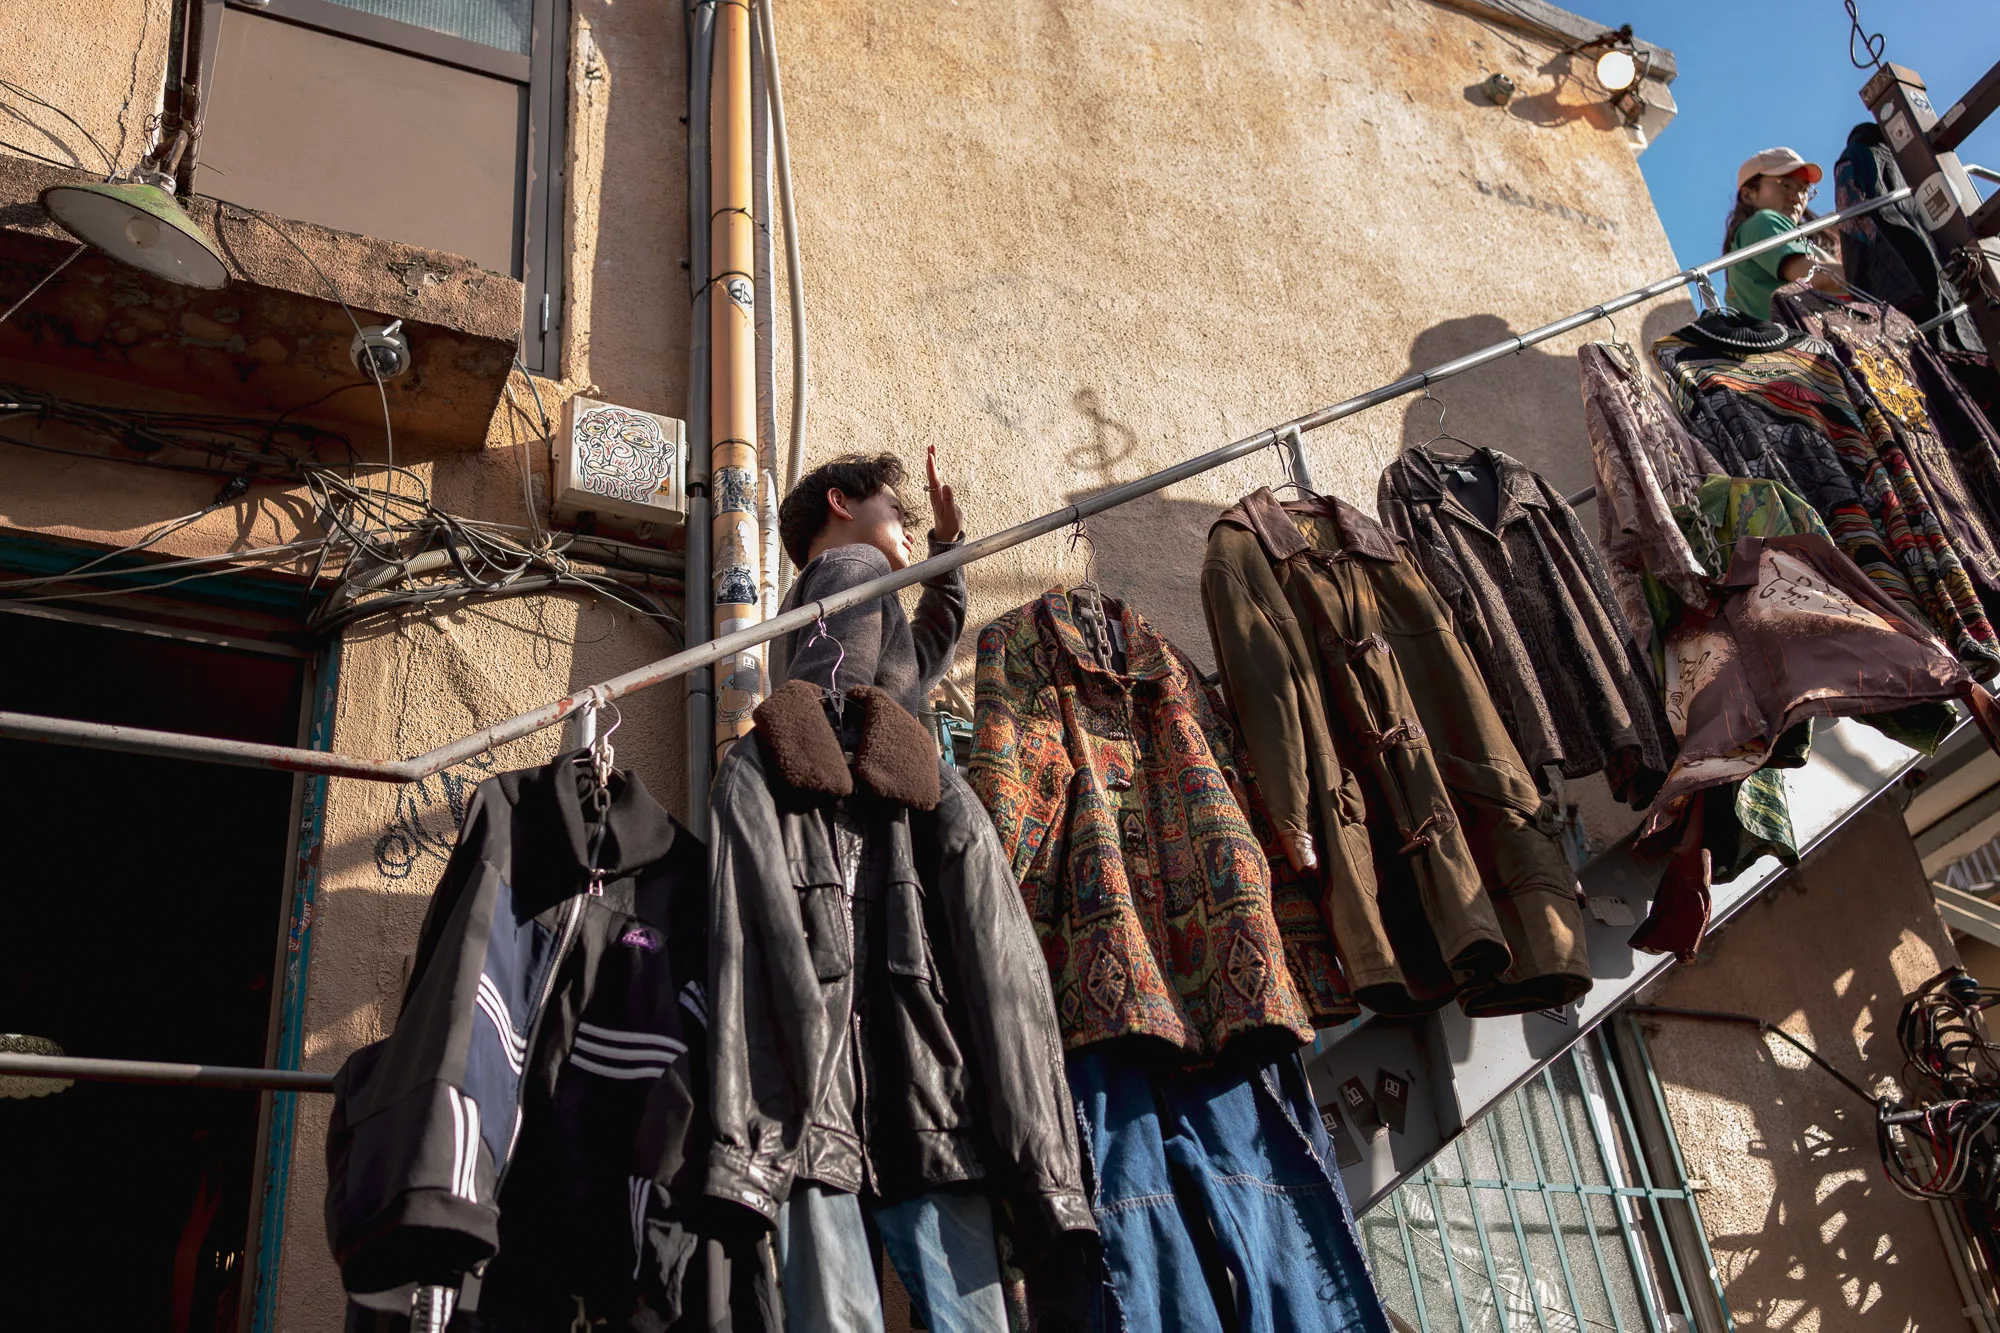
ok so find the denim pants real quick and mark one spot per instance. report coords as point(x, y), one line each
point(1217, 1202)
point(942, 1244)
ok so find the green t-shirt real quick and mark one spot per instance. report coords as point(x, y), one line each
point(1752, 281)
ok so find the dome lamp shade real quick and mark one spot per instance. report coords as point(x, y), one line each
point(138, 223)
point(1617, 70)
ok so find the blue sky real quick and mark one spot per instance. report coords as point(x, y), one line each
point(1758, 73)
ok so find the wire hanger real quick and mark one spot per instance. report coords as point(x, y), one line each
point(598, 757)
point(1101, 630)
point(1617, 338)
point(835, 695)
point(1291, 452)
point(1616, 344)
point(1442, 433)
point(1078, 532)
point(1711, 303)
point(602, 756)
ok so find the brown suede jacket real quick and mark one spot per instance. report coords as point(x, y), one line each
point(1370, 727)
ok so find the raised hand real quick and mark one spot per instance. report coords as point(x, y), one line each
point(946, 521)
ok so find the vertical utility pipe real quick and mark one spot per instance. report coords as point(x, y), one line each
point(699, 624)
point(767, 371)
point(781, 159)
point(733, 342)
point(191, 108)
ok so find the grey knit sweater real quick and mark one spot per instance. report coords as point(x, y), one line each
point(884, 647)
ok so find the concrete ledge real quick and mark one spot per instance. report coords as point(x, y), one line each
point(1551, 23)
point(274, 339)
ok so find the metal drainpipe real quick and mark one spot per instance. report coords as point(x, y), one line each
point(733, 340)
point(781, 155)
point(768, 471)
point(700, 626)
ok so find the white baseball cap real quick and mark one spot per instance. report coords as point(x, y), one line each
point(1777, 162)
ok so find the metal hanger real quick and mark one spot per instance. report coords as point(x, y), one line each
point(1101, 630)
point(601, 753)
point(1078, 532)
point(1291, 452)
point(1442, 434)
point(835, 695)
point(1617, 345)
point(1711, 303)
point(598, 756)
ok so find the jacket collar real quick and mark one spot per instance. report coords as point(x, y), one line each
point(1423, 482)
point(1146, 655)
point(1261, 512)
point(638, 833)
point(895, 757)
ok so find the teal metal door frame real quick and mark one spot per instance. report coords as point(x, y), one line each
point(287, 1048)
point(271, 1171)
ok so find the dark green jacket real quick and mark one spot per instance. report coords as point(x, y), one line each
point(1370, 727)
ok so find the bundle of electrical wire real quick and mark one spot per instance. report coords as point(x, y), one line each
point(384, 545)
point(1947, 1145)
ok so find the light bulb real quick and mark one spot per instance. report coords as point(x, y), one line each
point(142, 231)
point(1617, 70)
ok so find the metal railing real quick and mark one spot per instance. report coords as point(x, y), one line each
point(138, 740)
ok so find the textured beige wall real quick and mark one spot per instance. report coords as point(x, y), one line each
point(1808, 1234)
point(1071, 243)
point(101, 61)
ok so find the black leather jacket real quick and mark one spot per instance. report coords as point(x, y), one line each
point(881, 1015)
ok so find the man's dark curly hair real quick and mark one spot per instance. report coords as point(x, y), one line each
point(805, 511)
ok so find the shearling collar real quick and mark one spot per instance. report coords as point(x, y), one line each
point(895, 758)
point(1261, 512)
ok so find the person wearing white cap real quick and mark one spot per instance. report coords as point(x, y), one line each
point(1771, 193)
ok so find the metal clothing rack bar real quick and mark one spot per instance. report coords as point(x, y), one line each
point(155, 1071)
point(137, 740)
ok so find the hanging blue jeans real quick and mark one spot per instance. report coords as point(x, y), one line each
point(942, 1244)
point(1218, 1190)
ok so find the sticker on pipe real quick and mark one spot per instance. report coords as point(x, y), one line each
point(741, 292)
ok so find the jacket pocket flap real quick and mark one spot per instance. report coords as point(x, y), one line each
point(824, 910)
point(1503, 784)
point(908, 947)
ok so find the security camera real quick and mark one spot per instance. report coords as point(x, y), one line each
point(381, 351)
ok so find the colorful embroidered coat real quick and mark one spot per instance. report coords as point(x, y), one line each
point(1122, 799)
point(1780, 406)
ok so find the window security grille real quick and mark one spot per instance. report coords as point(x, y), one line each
point(1546, 1217)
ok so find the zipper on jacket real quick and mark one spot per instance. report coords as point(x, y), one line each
point(565, 941)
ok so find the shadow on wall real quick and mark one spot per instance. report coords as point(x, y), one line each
point(1528, 404)
point(1806, 1232)
point(1571, 94)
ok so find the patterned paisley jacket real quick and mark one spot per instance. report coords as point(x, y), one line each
point(1124, 803)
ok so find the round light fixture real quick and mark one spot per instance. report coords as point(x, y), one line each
point(1617, 70)
point(139, 224)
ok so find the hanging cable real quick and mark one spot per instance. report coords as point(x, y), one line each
point(251, 214)
point(47, 278)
